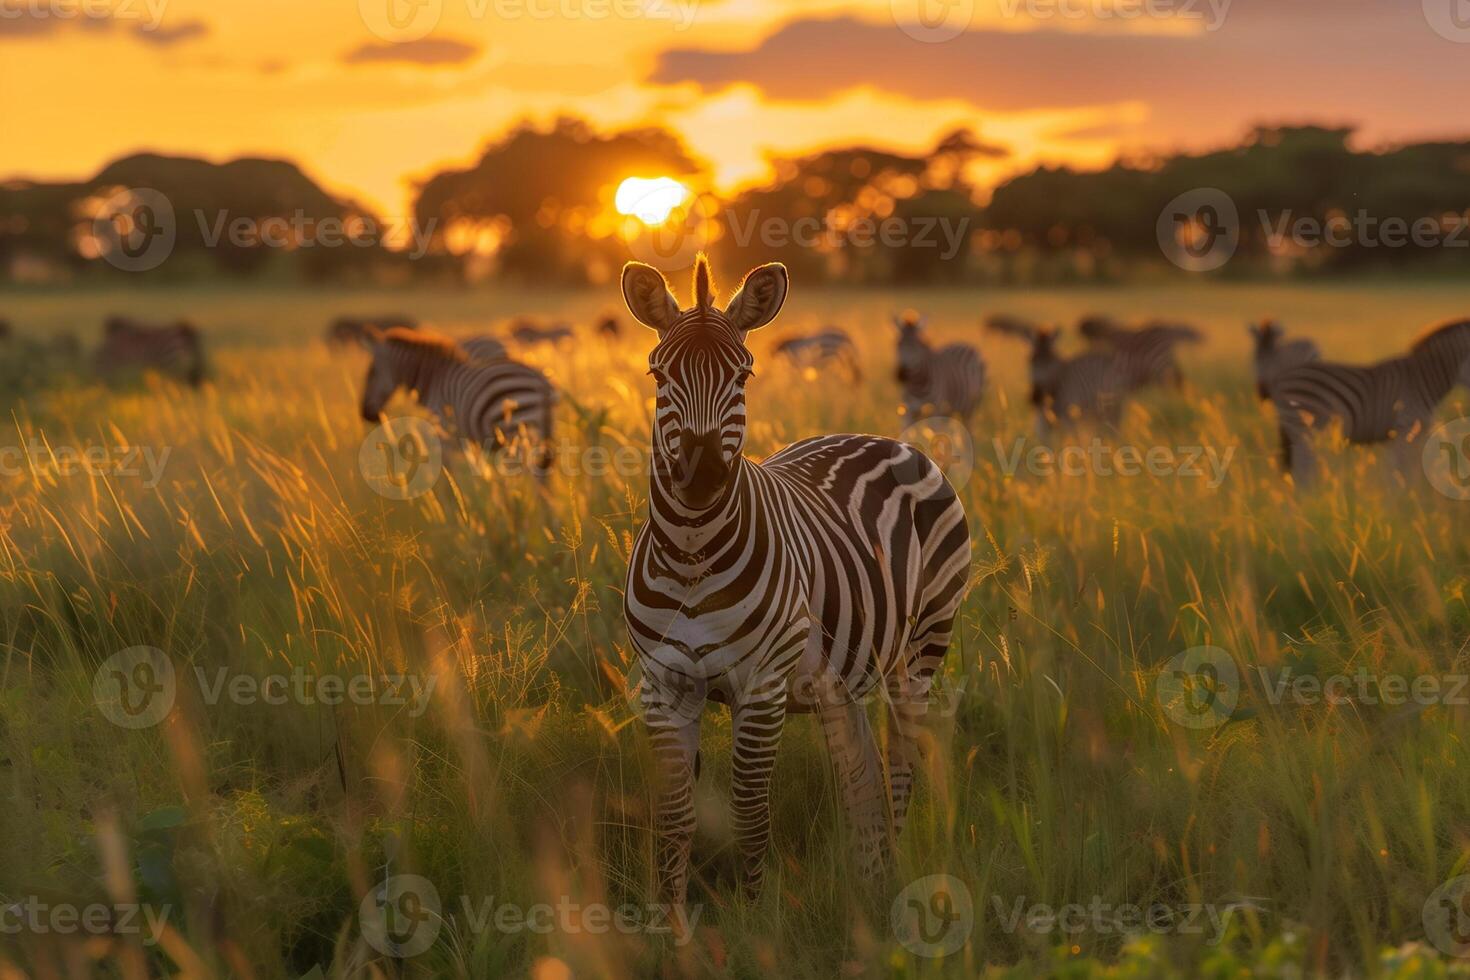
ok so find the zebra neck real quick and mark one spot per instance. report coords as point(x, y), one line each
point(687, 531)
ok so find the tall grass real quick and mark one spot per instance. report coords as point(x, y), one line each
point(1057, 777)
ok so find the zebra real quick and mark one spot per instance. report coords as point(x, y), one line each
point(527, 332)
point(1144, 355)
point(128, 345)
point(487, 403)
point(1068, 390)
point(349, 330)
point(484, 348)
point(800, 583)
point(948, 380)
point(830, 345)
point(1273, 355)
point(1392, 400)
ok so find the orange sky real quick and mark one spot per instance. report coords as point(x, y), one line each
point(366, 102)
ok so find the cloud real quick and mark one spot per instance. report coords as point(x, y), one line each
point(166, 37)
point(426, 51)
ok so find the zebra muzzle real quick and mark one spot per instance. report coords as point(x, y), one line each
point(699, 466)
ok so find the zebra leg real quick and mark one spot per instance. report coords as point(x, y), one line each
point(859, 774)
point(675, 746)
point(908, 703)
point(756, 732)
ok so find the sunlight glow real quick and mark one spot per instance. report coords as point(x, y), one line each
point(649, 200)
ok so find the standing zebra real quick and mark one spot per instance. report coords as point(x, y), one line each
point(945, 381)
point(1274, 355)
point(800, 583)
point(484, 348)
point(128, 345)
point(489, 403)
point(1393, 400)
point(830, 345)
point(1069, 390)
point(1143, 356)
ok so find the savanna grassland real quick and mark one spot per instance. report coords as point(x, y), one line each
point(1054, 775)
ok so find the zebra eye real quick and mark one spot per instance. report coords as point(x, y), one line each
point(744, 376)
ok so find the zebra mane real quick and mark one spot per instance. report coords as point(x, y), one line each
point(424, 342)
point(1438, 332)
point(702, 286)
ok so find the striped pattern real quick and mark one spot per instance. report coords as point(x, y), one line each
point(128, 346)
point(828, 347)
point(1066, 391)
point(945, 381)
point(1273, 354)
point(1143, 356)
point(1393, 400)
point(827, 574)
point(490, 404)
point(484, 348)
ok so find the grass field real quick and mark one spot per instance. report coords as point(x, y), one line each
point(1302, 835)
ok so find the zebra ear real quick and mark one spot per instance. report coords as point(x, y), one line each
point(759, 297)
point(647, 294)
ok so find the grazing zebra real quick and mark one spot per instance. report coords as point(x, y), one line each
point(348, 330)
point(1274, 355)
point(128, 345)
point(1145, 355)
point(945, 381)
point(527, 332)
point(801, 583)
point(1069, 390)
point(831, 345)
point(484, 348)
point(488, 403)
point(1393, 400)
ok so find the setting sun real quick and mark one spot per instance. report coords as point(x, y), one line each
point(649, 200)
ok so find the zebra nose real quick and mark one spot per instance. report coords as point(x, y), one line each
point(700, 462)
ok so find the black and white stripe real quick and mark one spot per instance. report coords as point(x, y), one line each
point(1143, 356)
point(173, 349)
point(948, 380)
point(828, 573)
point(1066, 391)
point(1393, 400)
point(830, 346)
point(484, 348)
point(1273, 354)
point(489, 403)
